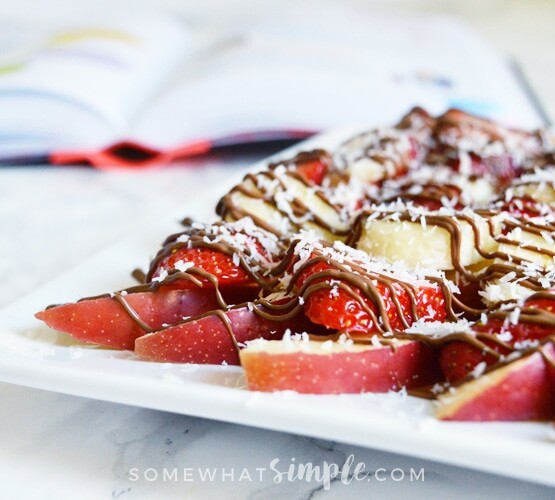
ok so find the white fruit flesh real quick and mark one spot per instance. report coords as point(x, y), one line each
point(367, 171)
point(420, 244)
point(542, 192)
point(520, 238)
point(317, 347)
point(272, 205)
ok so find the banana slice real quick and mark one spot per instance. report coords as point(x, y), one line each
point(530, 242)
point(540, 186)
point(282, 202)
point(444, 239)
point(386, 153)
point(378, 154)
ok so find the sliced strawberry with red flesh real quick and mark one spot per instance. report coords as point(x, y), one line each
point(427, 202)
point(430, 196)
point(501, 168)
point(519, 332)
point(337, 308)
point(213, 338)
point(421, 201)
point(107, 322)
point(312, 171)
point(459, 358)
point(544, 301)
point(311, 166)
point(526, 207)
point(415, 148)
point(213, 262)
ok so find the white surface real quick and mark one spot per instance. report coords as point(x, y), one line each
point(29, 356)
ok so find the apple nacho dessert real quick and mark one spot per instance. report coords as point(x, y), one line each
point(417, 257)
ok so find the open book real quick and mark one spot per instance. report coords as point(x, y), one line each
point(159, 89)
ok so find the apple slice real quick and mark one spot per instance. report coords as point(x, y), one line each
point(214, 338)
point(521, 390)
point(328, 367)
point(107, 322)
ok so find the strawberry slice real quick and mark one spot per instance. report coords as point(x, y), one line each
point(371, 303)
point(214, 266)
point(502, 167)
point(220, 255)
point(116, 321)
point(490, 149)
point(312, 171)
point(431, 199)
point(459, 358)
point(525, 207)
point(311, 166)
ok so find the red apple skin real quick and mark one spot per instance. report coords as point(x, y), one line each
point(551, 370)
point(105, 322)
point(207, 340)
point(519, 391)
point(374, 369)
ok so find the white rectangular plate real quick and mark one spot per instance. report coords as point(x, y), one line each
point(34, 356)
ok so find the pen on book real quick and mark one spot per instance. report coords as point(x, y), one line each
point(26, 161)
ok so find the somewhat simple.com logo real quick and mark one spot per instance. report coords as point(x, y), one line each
point(325, 473)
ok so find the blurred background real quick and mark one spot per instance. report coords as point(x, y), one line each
point(520, 28)
point(181, 77)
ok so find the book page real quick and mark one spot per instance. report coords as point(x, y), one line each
point(331, 67)
point(104, 68)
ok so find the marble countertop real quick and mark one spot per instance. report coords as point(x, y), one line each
point(54, 446)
